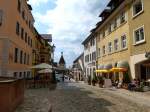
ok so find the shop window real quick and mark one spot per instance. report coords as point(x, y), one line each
point(116, 45)
point(124, 42)
point(139, 35)
point(109, 47)
point(17, 28)
point(1, 17)
point(137, 7)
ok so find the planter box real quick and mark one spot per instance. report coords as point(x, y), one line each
point(11, 94)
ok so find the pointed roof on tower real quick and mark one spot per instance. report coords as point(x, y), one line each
point(62, 61)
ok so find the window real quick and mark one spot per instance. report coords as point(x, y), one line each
point(104, 51)
point(116, 44)
point(122, 17)
point(123, 41)
point(94, 56)
point(28, 40)
point(21, 54)
point(109, 47)
point(31, 42)
point(15, 74)
point(103, 34)
point(109, 28)
point(137, 7)
point(1, 17)
point(22, 33)
point(139, 35)
point(99, 52)
point(28, 58)
point(24, 58)
point(20, 74)
point(29, 24)
point(23, 14)
point(90, 57)
point(19, 6)
point(16, 55)
point(26, 37)
point(24, 74)
point(87, 58)
point(17, 28)
point(115, 23)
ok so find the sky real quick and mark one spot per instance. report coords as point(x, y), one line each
point(69, 22)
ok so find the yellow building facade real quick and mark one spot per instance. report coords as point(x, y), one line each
point(122, 39)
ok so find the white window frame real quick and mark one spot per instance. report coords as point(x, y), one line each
point(122, 17)
point(117, 45)
point(104, 53)
point(123, 41)
point(135, 15)
point(110, 47)
point(134, 38)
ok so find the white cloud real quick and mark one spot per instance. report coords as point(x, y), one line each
point(70, 23)
point(37, 2)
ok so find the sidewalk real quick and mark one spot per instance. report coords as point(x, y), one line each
point(142, 98)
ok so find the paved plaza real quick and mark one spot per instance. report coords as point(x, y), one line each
point(78, 97)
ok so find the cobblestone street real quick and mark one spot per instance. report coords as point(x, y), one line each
point(77, 97)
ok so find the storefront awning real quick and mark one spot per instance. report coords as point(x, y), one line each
point(102, 71)
point(100, 67)
point(119, 69)
point(108, 67)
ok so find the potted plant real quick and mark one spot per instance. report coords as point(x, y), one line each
point(126, 80)
point(94, 80)
point(100, 81)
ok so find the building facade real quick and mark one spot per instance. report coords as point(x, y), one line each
point(89, 55)
point(78, 68)
point(16, 38)
point(123, 40)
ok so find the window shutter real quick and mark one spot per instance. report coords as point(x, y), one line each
point(1, 17)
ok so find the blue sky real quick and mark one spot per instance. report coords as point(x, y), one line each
point(69, 21)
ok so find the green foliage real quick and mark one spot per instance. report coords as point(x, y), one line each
point(126, 78)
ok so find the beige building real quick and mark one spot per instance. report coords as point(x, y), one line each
point(123, 39)
point(16, 38)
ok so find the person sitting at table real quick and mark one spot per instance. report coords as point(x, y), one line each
point(133, 84)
